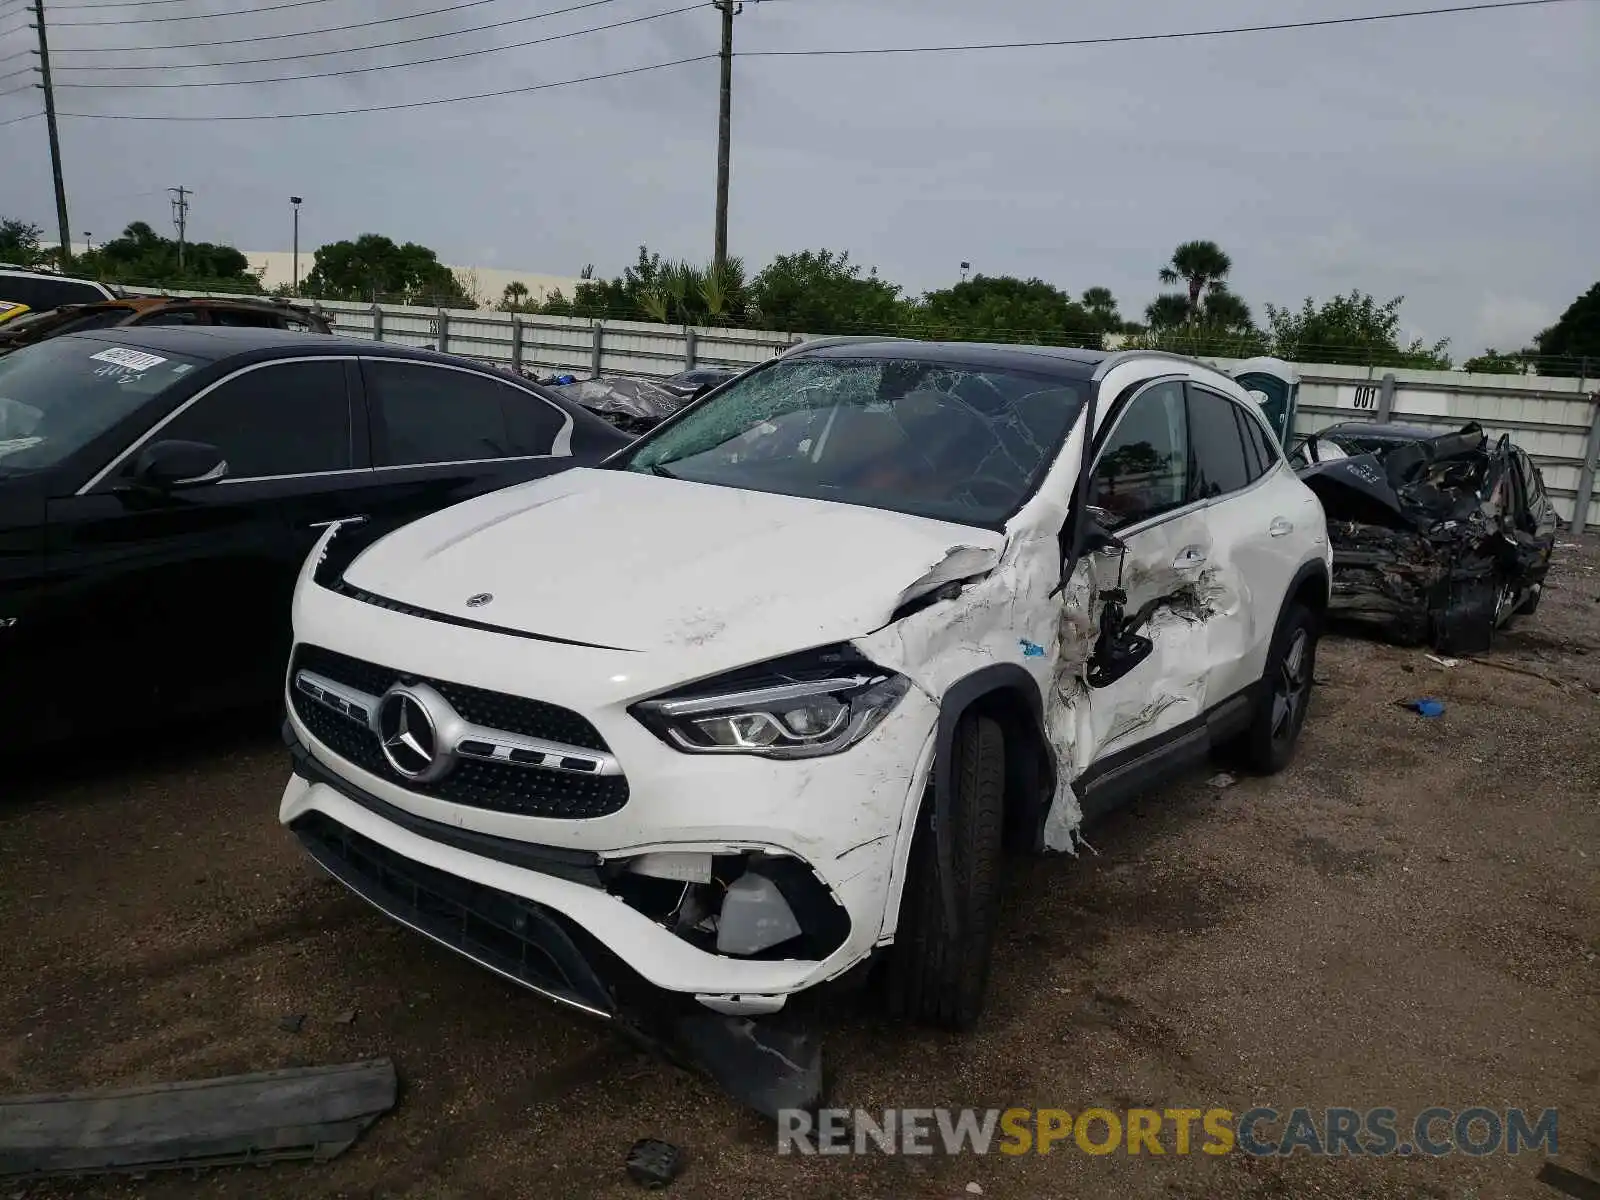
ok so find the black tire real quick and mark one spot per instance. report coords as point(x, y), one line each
point(933, 974)
point(1530, 602)
point(1268, 745)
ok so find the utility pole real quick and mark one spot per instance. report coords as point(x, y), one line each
point(180, 218)
point(55, 139)
point(295, 287)
point(729, 10)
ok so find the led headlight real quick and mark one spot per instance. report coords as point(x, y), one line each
point(784, 718)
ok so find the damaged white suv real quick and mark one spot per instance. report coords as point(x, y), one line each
point(768, 694)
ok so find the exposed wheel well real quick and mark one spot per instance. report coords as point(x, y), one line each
point(1311, 590)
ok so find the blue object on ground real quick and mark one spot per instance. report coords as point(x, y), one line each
point(1427, 706)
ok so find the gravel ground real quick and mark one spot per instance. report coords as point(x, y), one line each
point(1408, 916)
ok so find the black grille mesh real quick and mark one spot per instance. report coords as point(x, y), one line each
point(499, 787)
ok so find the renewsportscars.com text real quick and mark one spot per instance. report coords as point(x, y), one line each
point(1260, 1132)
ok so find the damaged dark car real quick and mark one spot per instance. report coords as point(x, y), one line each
point(1438, 538)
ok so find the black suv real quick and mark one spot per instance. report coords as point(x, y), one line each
point(160, 489)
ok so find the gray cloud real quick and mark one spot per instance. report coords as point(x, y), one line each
point(1450, 160)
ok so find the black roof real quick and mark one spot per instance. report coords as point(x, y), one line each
point(1067, 361)
point(214, 343)
point(1383, 431)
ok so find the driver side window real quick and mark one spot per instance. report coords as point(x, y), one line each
point(1143, 468)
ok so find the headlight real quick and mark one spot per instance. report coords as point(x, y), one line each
point(787, 717)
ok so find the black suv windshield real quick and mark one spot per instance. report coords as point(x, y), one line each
point(935, 439)
point(59, 395)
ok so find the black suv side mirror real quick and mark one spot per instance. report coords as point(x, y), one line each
point(169, 466)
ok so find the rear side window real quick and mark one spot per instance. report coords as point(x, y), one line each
point(290, 418)
point(1219, 463)
point(171, 316)
point(40, 292)
point(243, 318)
point(1256, 433)
point(1142, 470)
point(428, 414)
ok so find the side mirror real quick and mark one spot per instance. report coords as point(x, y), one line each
point(1097, 538)
point(169, 466)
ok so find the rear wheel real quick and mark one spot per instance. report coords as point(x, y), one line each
point(936, 974)
point(1280, 713)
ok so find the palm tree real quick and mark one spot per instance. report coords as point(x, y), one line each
point(514, 296)
point(722, 289)
point(1203, 266)
point(1167, 311)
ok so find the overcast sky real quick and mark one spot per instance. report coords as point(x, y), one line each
point(1453, 159)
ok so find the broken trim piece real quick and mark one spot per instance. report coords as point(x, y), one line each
point(303, 1113)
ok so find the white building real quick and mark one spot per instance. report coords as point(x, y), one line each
point(484, 284)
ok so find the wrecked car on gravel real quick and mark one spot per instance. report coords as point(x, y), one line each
point(1437, 537)
point(763, 700)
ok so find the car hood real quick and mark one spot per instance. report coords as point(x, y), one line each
point(638, 562)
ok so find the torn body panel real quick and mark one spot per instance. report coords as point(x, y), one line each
point(1437, 538)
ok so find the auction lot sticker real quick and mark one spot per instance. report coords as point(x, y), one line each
point(134, 360)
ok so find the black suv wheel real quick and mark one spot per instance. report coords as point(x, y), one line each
point(935, 974)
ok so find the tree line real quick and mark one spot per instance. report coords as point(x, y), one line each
point(825, 292)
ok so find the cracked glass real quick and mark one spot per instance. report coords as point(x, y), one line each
point(935, 439)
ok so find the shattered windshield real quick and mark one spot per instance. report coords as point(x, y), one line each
point(935, 439)
point(57, 396)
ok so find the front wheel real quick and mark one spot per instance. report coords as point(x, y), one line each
point(1280, 713)
point(935, 974)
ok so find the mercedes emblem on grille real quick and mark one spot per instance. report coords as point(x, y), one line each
point(408, 736)
point(479, 600)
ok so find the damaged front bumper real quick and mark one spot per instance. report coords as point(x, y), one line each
point(1448, 588)
point(536, 945)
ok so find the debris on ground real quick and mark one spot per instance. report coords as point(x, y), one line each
point(974, 1189)
point(303, 1113)
point(292, 1022)
point(1221, 780)
point(1426, 706)
point(1443, 662)
point(347, 1017)
point(653, 1163)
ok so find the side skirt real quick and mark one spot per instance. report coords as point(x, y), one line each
point(1120, 777)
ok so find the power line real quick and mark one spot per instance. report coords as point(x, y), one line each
point(243, 12)
point(24, 87)
point(274, 37)
point(1497, 4)
point(344, 112)
point(1149, 37)
point(421, 62)
point(22, 71)
point(24, 117)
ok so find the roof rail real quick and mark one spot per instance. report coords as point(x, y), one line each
point(1117, 357)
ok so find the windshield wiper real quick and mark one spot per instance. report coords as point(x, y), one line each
point(658, 469)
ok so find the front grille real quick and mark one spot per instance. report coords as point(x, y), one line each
point(498, 787)
point(526, 941)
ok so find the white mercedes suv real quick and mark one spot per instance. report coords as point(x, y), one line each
point(766, 696)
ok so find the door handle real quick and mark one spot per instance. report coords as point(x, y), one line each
point(1189, 556)
point(1280, 526)
point(353, 519)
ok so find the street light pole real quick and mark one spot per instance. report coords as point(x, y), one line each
point(295, 200)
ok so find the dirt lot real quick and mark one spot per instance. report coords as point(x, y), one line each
point(1409, 916)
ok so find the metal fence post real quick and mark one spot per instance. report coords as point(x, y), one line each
point(377, 323)
point(690, 346)
point(516, 344)
point(1386, 398)
point(594, 353)
point(444, 332)
point(1591, 451)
